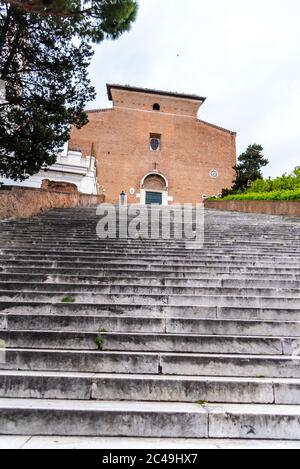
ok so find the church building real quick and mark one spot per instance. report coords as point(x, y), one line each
point(152, 145)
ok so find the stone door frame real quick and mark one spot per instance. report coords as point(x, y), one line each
point(165, 192)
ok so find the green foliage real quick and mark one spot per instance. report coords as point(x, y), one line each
point(226, 192)
point(286, 182)
point(286, 187)
point(249, 167)
point(43, 5)
point(275, 195)
point(68, 299)
point(99, 341)
point(93, 19)
point(45, 52)
point(116, 17)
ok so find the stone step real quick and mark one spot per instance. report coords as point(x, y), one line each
point(264, 313)
point(229, 231)
point(151, 311)
point(222, 365)
point(146, 324)
point(145, 271)
point(231, 365)
point(145, 246)
point(51, 273)
point(198, 251)
point(78, 361)
point(85, 247)
point(131, 288)
point(276, 223)
point(90, 222)
point(105, 443)
point(148, 342)
point(146, 249)
point(144, 261)
point(253, 421)
point(85, 386)
point(241, 228)
point(143, 238)
point(208, 252)
point(221, 259)
point(139, 299)
point(177, 280)
point(110, 418)
point(101, 418)
point(211, 216)
point(162, 271)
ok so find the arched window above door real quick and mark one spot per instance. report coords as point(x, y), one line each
point(154, 181)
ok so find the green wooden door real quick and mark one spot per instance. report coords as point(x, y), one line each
point(153, 198)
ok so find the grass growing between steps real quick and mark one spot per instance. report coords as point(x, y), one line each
point(99, 341)
point(68, 299)
point(201, 402)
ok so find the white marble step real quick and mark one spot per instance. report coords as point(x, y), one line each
point(134, 419)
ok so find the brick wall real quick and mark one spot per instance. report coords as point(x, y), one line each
point(270, 207)
point(190, 148)
point(23, 202)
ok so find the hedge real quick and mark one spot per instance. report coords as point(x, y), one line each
point(275, 195)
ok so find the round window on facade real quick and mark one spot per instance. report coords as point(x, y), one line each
point(154, 144)
point(214, 174)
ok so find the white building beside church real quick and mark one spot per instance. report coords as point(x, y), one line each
point(70, 167)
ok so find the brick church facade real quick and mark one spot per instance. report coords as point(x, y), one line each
point(152, 145)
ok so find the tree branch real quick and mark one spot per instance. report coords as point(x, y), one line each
point(5, 28)
point(31, 7)
point(13, 49)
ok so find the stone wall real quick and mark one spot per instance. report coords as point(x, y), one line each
point(22, 202)
point(270, 207)
point(58, 186)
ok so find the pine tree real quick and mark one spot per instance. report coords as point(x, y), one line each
point(95, 19)
point(249, 167)
point(44, 61)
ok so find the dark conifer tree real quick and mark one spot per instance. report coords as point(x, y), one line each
point(45, 51)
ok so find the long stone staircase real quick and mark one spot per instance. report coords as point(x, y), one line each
point(144, 338)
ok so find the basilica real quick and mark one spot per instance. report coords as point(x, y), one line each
point(152, 145)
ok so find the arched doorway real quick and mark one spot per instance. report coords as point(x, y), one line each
point(154, 189)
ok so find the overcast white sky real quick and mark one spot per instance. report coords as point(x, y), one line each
point(243, 55)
